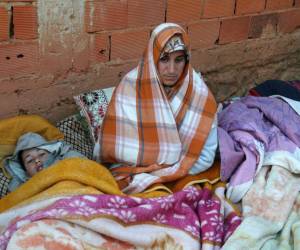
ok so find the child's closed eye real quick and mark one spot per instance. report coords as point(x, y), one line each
point(29, 161)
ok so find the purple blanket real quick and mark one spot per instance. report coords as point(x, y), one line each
point(249, 130)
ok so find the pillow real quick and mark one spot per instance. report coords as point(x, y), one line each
point(93, 106)
point(4, 181)
point(77, 135)
point(12, 128)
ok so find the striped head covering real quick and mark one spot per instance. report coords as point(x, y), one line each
point(174, 44)
point(156, 137)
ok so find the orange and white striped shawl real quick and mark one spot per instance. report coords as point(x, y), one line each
point(156, 137)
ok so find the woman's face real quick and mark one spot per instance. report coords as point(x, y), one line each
point(34, 159)
point(171, 66)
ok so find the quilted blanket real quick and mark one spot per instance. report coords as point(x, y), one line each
point(259, 142)
point(76, 204)
point(255, 132)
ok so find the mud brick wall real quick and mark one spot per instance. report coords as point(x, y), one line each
point(53, 50)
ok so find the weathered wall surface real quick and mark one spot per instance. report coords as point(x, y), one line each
point(52, 50)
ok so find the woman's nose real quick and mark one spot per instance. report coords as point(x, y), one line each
point(171, 67)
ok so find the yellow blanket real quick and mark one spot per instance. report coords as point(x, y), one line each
point(73, 176)
point(67, 177)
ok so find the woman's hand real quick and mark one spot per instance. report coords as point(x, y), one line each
point(124, 174)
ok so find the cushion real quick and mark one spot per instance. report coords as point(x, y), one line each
point(4, 181)
point(93, 106)
point(12, 128)
point(76, 134)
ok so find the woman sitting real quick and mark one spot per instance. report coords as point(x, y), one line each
point(159, 126)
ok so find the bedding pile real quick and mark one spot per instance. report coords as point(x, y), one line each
point(64, 206)
point(77, 204)
point(259, 140)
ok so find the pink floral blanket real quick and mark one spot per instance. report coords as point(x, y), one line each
point(190, 219)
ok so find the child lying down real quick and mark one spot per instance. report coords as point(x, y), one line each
point(32, 154)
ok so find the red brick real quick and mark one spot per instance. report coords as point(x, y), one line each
point(145, 12)
point(204, 34)
point(128, 45)
point(218, 8)
point(246, 6)
point(4, 24)
point(279, 4)
point(234, 29)
point(18, 59)
point(289, 21)
point(183, 11)
point(297, 3)
point(261, 22)
point(105, 15)
point(25, 22)
point(99, 48)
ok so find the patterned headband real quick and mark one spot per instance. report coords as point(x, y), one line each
point(174, 44)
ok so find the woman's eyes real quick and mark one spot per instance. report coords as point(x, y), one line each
point(180, 59)
point(164, 59)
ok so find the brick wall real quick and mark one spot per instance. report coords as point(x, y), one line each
point(52, 50)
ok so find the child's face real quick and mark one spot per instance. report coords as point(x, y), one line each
point(33, 160)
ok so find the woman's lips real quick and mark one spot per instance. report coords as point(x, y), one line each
point(170, 78)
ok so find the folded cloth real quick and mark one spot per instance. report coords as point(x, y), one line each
point(289, 89)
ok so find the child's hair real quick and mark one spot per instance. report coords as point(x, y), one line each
point(20, 158)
